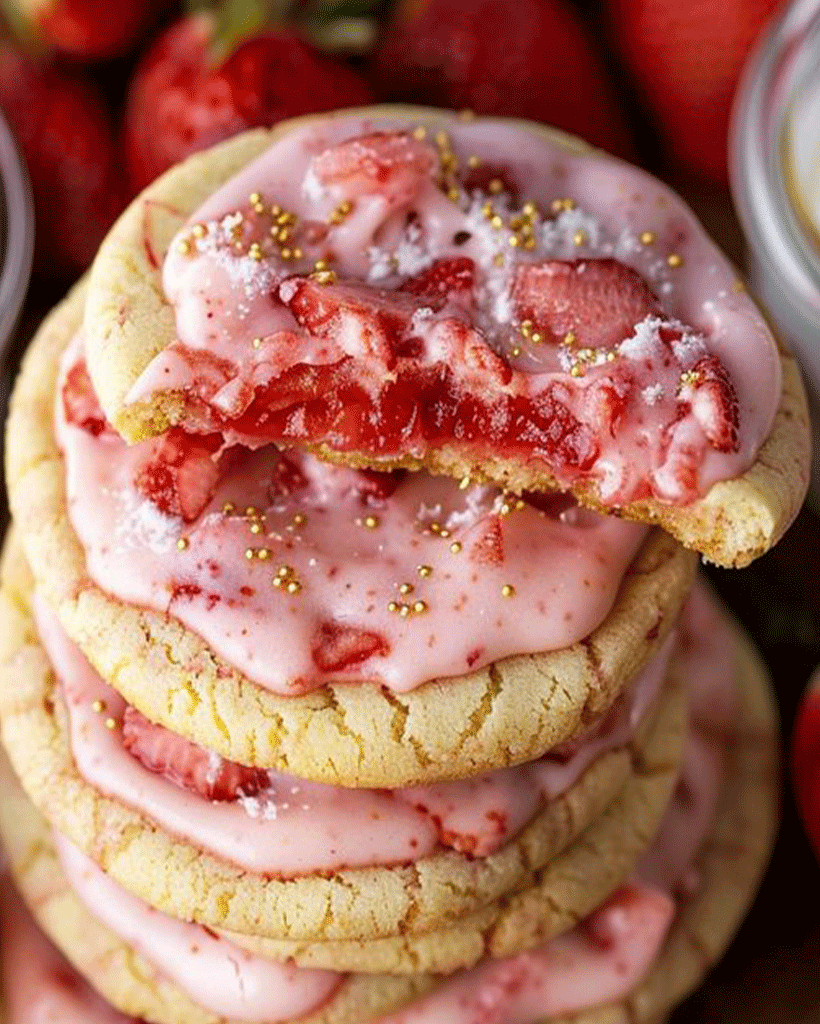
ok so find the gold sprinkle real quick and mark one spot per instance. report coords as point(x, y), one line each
point(435, 527)
point(371, 522)
point(111, 723)
point(579, 238)
point(420, 133)
point(536, 338)
point(320, 265)
point(392, 606)
point(515, 352)
point(404, 610)
point(496, 221)
point(255, 251)
point(425, 571)
point(530, 209)
point(473, 161)
point(184, 247)
point(487, 209)
point(505, 509)
point(519, 505)
point(464, 483)
point(263, 554)
point(324, 276)
point(278, 581)
point(228, 507)
point(496, 186)
point(284, 570)
point(287, 254)
point(257, 343)
point(455, 547)
point(182, 543)
point(529, 243)
point(249, 553)
point(199, 231)
point(297, 254)
point(251, 510)
point(299, 519)
point(647, 237)
point(508, 590)
point(569, 338)
point(444, 533)
point(275, 210)
point(514, 241)
point(674, 260)
point(256, 527)
point(690, 377)
point(294, 587)
point(498, 260)
point(254, 199)
point(576, 370)
point(419, 607)
point(406, 588)
point(98, 706)
point(453, 194)
point(611, 357)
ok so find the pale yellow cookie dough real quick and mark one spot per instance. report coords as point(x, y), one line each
point(128, 321)
point(355, 735)
point(730, 865)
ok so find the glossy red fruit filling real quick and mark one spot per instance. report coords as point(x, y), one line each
point(80, 405)
point(186, 764)
point(338, 647)
point(181, 472)
point(806, 763)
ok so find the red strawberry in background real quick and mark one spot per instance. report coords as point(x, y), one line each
point(65, 132)
point(87, 29)
point(187, 95)
point(806, 761)
point(530, 59)
point(685, 56)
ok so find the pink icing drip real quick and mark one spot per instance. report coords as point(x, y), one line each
point(223, 301)
point(597, 963)
point(295, 827)
point(216, 974)
point(565, 567)
point(39, 985)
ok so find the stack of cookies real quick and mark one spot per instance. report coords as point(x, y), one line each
point(353, 665)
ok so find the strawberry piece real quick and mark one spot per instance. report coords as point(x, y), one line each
point(445, 280)
point(80, 404)
point(85, 28)
point(181, 473)
point(287, 478)
point(392, 165)
point(534, 59)
point(714, 403)
point(338, 647)
point(599, 301)
point(372, 486)
point(181, 99)
point(806, 762)
point(186, 764)
point(685, 60)
point(66, 135)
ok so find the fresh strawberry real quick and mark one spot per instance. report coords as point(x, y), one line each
point(80, 404)
point(685, 57)
point(444, 280)
point(186, 764)
point(533, 59)
point(66, 136)
point(182, 98)
point(713, 399)
point(339, 648)
point(86, 28)
point(806, 761)
point(598, 300)
point(181, 472)
point(393, 165)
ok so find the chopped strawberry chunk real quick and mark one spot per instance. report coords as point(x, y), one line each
point(361, 321)
point(80, 403)
point(181, 473)
point(444, 280)
point(186, 764)
point(488, 547)
point(337, 647)
point(713, 400)
point(374, 486)
point(393, 165)
point(600, 301)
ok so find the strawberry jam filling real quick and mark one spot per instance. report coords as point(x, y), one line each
point(268, 822)
point(299, 573)
point(564, 322)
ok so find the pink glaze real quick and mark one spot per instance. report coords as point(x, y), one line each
point(223, 300)
point(597, 963)
point(39, 985)
point(217, 975)
point(295, 827)
point(565, 567)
